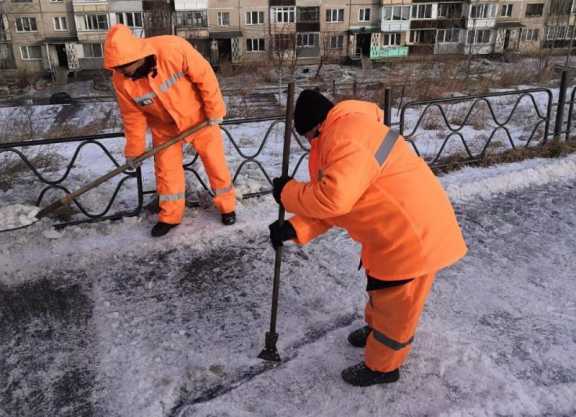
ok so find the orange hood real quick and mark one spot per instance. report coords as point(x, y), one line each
point(122, 47)
point(346, 107)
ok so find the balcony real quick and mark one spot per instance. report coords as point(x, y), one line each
point(438, 24)
point(193, 19)
point(282, 3)
point(395, 26)
point(308, 19)
point(473, 23)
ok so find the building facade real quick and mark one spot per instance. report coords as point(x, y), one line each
point(67, 35)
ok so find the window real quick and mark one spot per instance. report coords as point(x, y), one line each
point(450, 10)
point(97, 22)
point(26, 24)
point(30, 53)
point(555, 33)
point(130, 19)
point(21, 1)
point(391, 39)
point(422, 11)
point(483, 11)
point(254, 18)
point(308, 15)
point(364, 15)
point(506, 10)
point(533, 10)
point(283, 42)
point(306, 40)
point(479, 36)
point(396, 13)
point(283, 14)
point(334, 15)
point(448, 35)
point(223, 18)
point(193, 18)
point(336, 42)
point(255, 45)
point(92, 50)
point(424, 37)
point(560, 8)
point(529, 34)
point(56, 1)
point(60, 23)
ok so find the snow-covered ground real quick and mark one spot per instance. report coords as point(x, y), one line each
point(101, 320)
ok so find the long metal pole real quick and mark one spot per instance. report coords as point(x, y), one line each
point(560, 108)
point(270, 352)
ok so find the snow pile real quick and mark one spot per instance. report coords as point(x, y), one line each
point(16, 216)
point(472, 183)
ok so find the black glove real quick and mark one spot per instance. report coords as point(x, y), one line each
point(279, 234)
point(278, 184)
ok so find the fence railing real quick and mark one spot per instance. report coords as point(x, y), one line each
point(491, 118)
point(13, 157)
point(469, 125)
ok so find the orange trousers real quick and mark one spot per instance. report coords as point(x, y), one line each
point(170, 179)
point(393, 314)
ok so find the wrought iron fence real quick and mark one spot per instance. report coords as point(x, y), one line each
point(512, 118)
point(13, 156)
point(253, 146)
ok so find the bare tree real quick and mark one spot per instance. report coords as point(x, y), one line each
point(331, 49)
point(283, 53)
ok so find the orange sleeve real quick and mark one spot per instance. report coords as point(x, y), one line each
point(349, 170)
point(135, 124)
point(202, 76)
point(307, 228)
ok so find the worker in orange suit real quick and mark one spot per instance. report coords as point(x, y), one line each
point(365, 179)
point(163, 83)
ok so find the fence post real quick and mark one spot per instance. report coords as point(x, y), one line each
point(387, 107)
point(560, 108)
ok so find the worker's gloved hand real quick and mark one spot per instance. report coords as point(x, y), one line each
point(278, 184)
point(214, 122)
point(279, 234)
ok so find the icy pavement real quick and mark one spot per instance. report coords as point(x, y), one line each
point(108, 322)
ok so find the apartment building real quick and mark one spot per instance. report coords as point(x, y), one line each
point(7, 61)
point(67, 35)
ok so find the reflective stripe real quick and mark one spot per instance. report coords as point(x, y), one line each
point(220, 191)
point(386, 146)
point(145, 99)
point(392, 344)
point(171, 197)
point(165, 86)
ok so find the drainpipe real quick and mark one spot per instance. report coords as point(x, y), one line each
point(52, 71)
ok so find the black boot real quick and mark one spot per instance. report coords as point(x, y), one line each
point(160, 229)
point(229, 218)
point(358, 337)
point(360, 376)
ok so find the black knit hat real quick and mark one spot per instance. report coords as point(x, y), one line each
point(311, 109)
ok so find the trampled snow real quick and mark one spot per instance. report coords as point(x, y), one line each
point(16, 216)
point(105, 321)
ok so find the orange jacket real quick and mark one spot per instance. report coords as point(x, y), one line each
point(184, 92)
point(399, 211)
